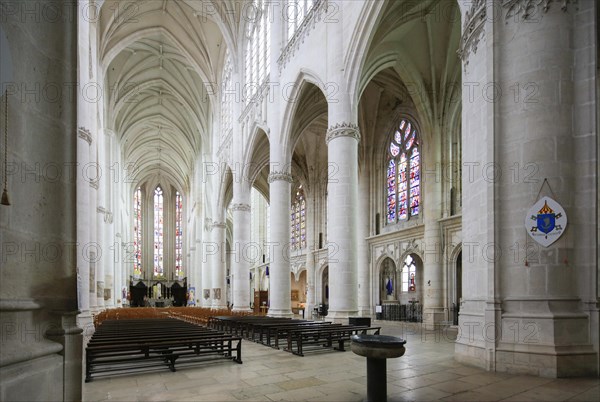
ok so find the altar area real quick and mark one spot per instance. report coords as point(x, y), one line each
point(158, 292)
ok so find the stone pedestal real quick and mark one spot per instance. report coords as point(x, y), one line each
point(69, 335)
point(377, 348)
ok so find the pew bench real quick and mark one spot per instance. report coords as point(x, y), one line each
point(324, 337)
point(132, 356)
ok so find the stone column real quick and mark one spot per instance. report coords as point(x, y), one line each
point(84, 142)
point(479, 290)
point(207, 259)
point(364, 273)
point(242, 253)
point(279, 270)
point(103, 255)
point(342, 211)
point(66, 332)
point(38, 272)
point(432, 282)
point(310, 249)
point(219, 264)
point(522, 301)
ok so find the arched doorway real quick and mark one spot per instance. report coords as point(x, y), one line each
point(412, 287)
point(298, 293)
point(325, 287)
point(457, 289)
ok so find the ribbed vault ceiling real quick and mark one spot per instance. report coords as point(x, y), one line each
point(159, 58)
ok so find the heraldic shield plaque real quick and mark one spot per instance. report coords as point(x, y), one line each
point(546, 221)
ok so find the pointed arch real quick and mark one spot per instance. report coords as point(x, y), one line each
point(292, 95)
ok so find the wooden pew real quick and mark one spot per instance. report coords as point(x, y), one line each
point(324, 337)
point(155, 343)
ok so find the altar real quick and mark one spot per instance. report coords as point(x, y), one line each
point(158, 293)
point(160, 302)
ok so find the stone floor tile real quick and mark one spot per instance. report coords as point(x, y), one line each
point(592, 394)
point(426, 372)
point(296, 395)
point(420, 394)
point(300, 383)
point(454, 387)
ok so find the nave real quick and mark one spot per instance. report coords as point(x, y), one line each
point(426, 372)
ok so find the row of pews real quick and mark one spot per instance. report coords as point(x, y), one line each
point(297, 335)
point(126, 345)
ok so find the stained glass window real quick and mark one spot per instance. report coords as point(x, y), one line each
point(409, 272)
point(296, 12)
point(403, 174)
point(178, 235)
point(257, 47)
point(158, 232)
point(137, 233)
point(298, 221)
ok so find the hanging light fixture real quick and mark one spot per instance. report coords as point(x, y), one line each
point(5, 200)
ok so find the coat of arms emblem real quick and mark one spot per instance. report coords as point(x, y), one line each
point(546, 221)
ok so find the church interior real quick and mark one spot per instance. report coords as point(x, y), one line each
point(430, 166)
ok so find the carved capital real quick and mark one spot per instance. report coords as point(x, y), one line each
point(275, 176)
point(472, 31)
point(219, 225)
point(241, 207)
point(85, 135)
point(108, 215)
point(526, 9)
point(342, 130)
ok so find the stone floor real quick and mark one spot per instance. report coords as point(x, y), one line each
point(426, 372)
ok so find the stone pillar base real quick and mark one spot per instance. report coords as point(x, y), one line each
point(433, 317)
point(553, 362)
point(341, 315)
point(85, 321)
point(280, 313)
point(365, 311)
point(31, 365)
point(68, 334)
point(242, 309)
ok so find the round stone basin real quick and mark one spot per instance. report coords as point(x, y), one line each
point(378, 346)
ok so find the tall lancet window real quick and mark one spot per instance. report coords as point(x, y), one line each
point(158, 232)
point(403, 179)
point(409, 271)
point(137, 233)
point(298, 221)
point(178, 236)
point(258, 36)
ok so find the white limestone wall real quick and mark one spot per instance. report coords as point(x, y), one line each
point(541, 301)
point(478, 196)
point(38, 230)
point(525, 129)
point(586, 193)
